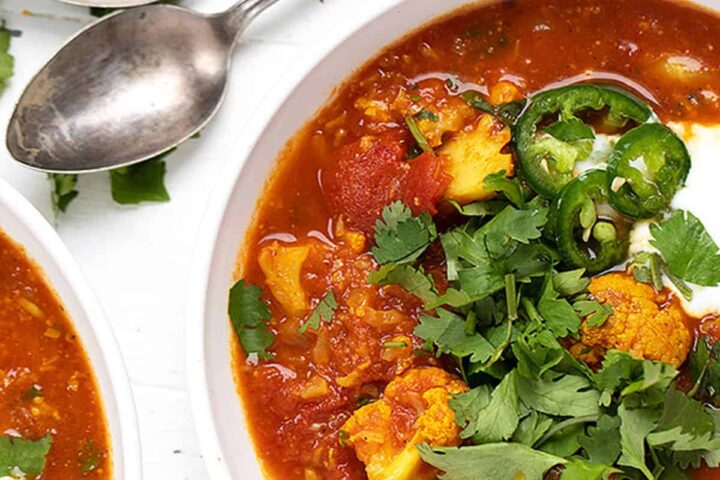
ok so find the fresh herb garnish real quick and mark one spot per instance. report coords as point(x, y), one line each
point(688, 249)
point(249, 315)
point(323, 313)
point(400, 237)
point(25, 456)
point(63, 190)
point(426, 114)
point(90, 457)
point(7, 62)
point(418, 135)
point(508, 113)
point(142, 182)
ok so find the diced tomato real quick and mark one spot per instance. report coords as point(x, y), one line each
point(374, 172)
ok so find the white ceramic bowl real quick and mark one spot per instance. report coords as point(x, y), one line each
point(24, 224)
point(219, 418)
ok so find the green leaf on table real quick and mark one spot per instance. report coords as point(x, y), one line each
point(249, 315)
point(7, 62)
point(400, 237)
point(412, 279)
point(324, 312)
point(27, 456)
point(142, 182)
point(63, 190)
point(446, 333)
point(496, 461)
point(688, 249)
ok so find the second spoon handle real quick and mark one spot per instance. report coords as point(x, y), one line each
point(237, 18)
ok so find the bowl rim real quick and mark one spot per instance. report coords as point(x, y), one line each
point(125, 446)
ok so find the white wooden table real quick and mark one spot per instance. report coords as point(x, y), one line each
point(137, 258)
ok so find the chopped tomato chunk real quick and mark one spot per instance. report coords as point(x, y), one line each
point(374, 172)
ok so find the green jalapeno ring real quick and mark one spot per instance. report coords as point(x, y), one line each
point(549, 166)
point(585, 238)
point(644, 194)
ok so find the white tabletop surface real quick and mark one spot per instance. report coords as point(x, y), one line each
point(137, 258)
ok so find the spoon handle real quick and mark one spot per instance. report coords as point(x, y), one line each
point(236, 19)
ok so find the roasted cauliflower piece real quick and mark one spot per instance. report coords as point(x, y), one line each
point(282, 266)
point(473, 155)
point(414, 409)
point(644, 323)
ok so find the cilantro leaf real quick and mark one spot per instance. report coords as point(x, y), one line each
point(602, 442)
point(571, 282)
point(566, 395)
point(418, 135)
point(142, 182)
point(508, 113)
point(498, 420)
point(400, 237)
point(685, 425)
point(324, 312)
point(511, 188)
point(28, 456)
point(466, 405)
point(426, 114)
point(557, 312)
point(594, 313)
point(479, 209)
point(537, 353)
point(532, 428)
point(578, 469)
point(447, 333)
point(63, 190)
point(414, 280)
point(249, 315)
point(689, 250)
point(635, 425)
point(496, 461)
point(7, 62)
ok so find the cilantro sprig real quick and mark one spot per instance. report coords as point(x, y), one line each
point(18, 455)
point(249, 315)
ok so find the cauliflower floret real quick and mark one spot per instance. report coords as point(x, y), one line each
point(644, 323)
point(282, 265)
point(473, 155)
point(414, 409)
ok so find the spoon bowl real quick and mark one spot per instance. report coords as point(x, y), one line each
point(127, 88)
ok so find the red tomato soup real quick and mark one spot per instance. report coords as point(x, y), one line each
point(315, 218)
point(48, 391)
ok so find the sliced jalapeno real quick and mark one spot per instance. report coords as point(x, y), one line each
point(648, 166)
point(547, 153)
point(588, 233)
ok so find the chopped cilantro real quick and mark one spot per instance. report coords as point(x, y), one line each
point(249, 315)
point(559, 315)
point(414, 280)
point(142, 182)
point(510, 187)
point(400, 237)
point(7, 62)
point(27, 456)
point(426, 114)
point(689, 250)
point(418, 135)
point(90, 457)
point(447, 333)
point(324, 312)
point(595, 314)
point(63, 190)
point(498, 461)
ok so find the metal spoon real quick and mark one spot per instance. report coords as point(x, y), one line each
point(127, 88)
point(108, 3)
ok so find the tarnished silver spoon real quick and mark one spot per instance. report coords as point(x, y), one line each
point(108, 3)
point(127, 88)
